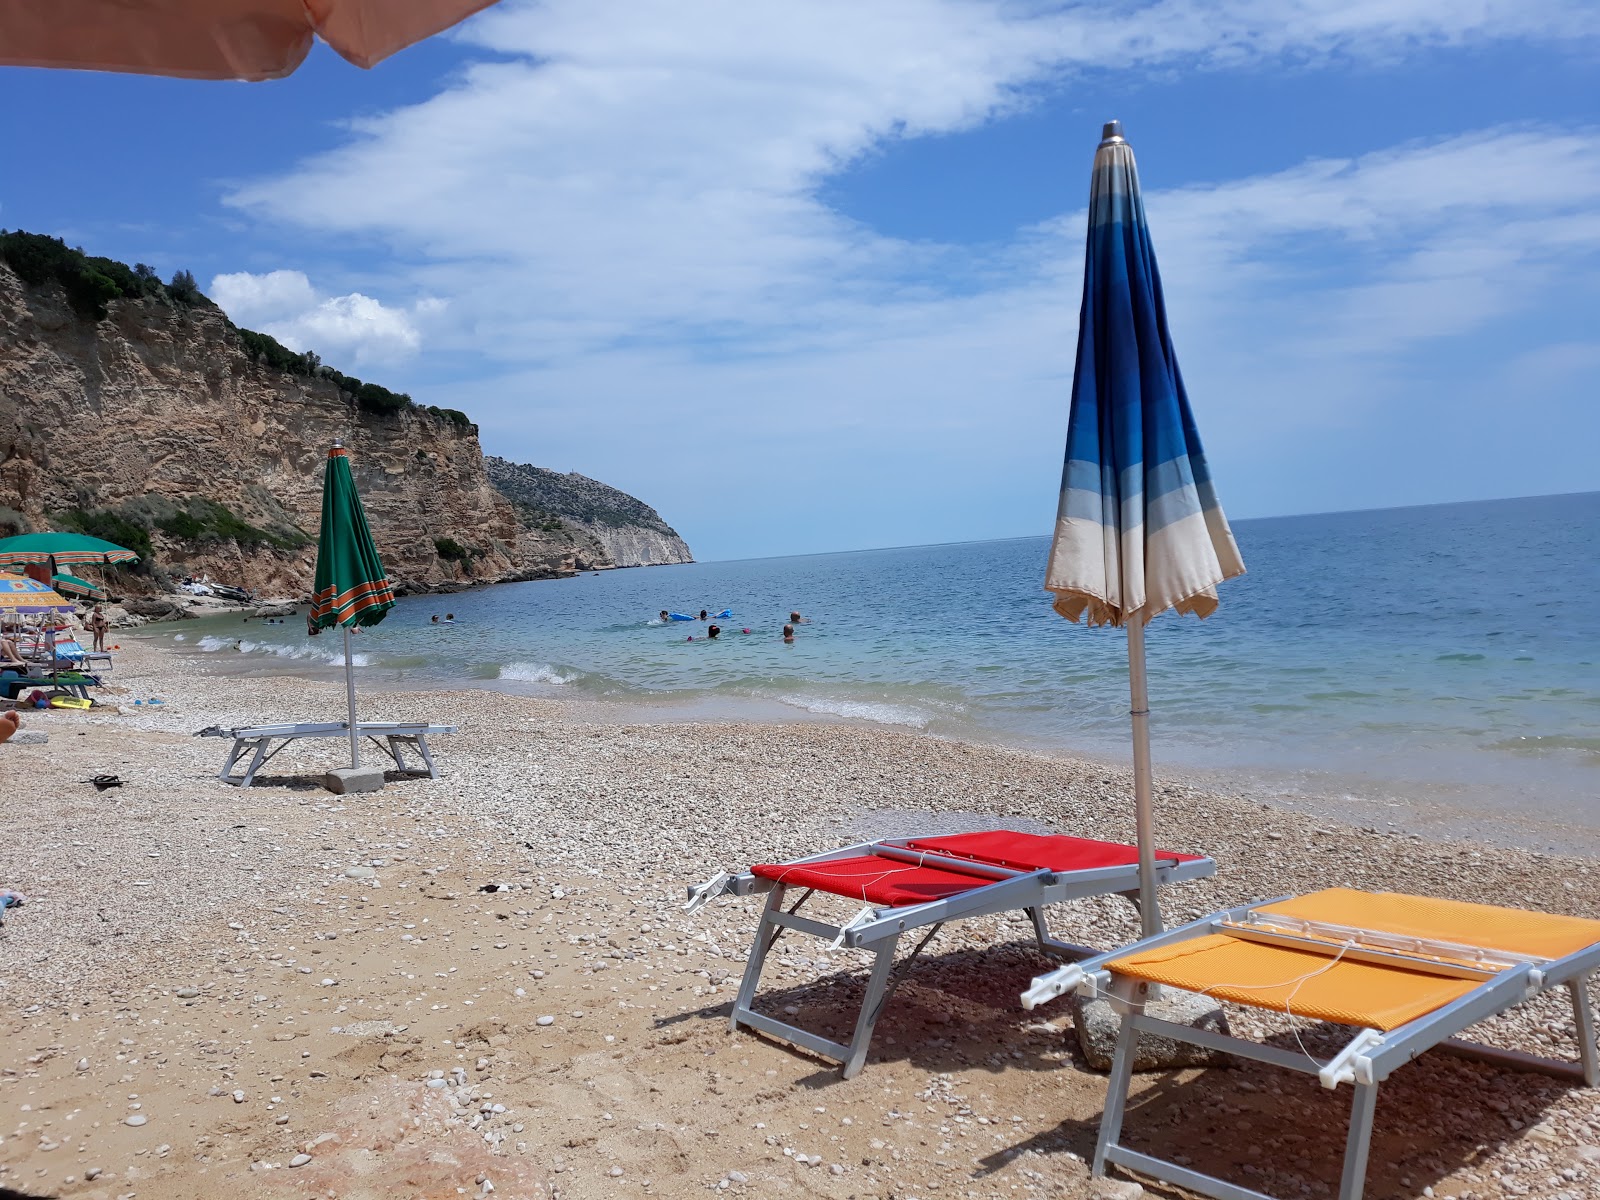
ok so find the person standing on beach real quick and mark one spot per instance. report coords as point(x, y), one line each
point(98, 626)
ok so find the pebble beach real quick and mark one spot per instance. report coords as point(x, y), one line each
point(486, 983)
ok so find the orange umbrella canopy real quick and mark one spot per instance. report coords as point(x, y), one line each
point(215, 39)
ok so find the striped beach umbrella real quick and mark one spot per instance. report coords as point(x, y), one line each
point(71, 585)
point(351, 587)
point(66, 549)
point(19, 594)
point(1139, 530)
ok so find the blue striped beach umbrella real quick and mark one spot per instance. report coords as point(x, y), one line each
point(1139, 529)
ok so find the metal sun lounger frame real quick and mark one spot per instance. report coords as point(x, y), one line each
point(389, 736)
point(879, 928)
point(1369, 1058)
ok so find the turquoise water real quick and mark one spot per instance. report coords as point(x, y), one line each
point(1452, 646)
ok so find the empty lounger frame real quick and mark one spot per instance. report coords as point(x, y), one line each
point(913, 884)
point(392, 737)
point(1403, 989)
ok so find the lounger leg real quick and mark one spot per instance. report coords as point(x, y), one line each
point(1116, 1095)
point(233, 756)
point(396, 753)
point(255, 763)
point(1359, 1141)
point(422, 749)
point(1584, 1017)
point(871, 1005)
point(758, 955)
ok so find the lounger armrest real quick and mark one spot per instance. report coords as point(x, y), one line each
point(1048, 986)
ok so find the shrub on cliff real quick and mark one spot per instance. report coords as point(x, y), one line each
point(207, 521)
point(453, 551)
point(90, 282)
point(112, 526)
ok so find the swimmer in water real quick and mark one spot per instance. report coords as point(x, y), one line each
point(703, 614)
point(665, 616)
point(796, 619)
point(713, 630)
point(449, 616)
point(434, 618)
point(788, 634)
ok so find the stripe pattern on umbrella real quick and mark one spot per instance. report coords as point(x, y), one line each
point(1139, 526)
point(351, 587)
point(65, 548)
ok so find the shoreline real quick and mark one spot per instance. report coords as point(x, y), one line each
point(1433, 809)
point(322, 956)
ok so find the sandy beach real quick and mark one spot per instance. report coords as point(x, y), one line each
point(486, 983)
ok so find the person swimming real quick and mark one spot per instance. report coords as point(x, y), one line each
point(713, 630)
point(796, 619)
point(704, 614)
point(434, 618)
point(665, 616)
point(788, 633)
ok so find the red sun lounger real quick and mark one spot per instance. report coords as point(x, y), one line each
point(914, 883)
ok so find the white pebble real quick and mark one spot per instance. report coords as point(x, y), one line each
point(299, 1160)
point(136, 1119)
point(545, 1021)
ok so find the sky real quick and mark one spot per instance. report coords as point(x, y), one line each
point(806, 277)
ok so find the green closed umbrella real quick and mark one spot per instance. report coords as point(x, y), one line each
point(351, 587)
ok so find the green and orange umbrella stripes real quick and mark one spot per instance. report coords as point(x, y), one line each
point(66, 549)
point(351, 587)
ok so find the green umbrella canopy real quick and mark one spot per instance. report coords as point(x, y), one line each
point(65, 548)
point(351, 587)
point(71, 585)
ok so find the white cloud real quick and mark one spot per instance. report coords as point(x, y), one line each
point(352, 328)
point(625, 215)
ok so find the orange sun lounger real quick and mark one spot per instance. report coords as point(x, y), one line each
point(1408, 972)
point(912, 883)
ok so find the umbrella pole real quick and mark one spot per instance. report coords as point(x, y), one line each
point(350, 695)
point(1143, 808)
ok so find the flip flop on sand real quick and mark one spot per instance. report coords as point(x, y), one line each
point(102, 782)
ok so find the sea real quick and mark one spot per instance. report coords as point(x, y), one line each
point(1434, 668)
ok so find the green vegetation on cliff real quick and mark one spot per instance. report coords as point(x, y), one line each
point(543, 496)
point(92, 283)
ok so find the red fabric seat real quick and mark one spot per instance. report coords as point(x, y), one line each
point(885, 881)
point(871, 879)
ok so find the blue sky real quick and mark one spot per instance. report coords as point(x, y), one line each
point(806, 277)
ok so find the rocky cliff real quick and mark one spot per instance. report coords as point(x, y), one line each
point(626, 530)
point(159, 423)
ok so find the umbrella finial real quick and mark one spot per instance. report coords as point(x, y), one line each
point(1111, 131)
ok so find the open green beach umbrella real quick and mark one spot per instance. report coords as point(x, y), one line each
point(66, 549)
point(351, 587)
point(71, 585)
point(1139, 529)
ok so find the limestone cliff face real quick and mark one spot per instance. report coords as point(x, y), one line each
point(625, 530)
point(156, 415)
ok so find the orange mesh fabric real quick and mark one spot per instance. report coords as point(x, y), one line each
point(1512, 930)
point(1295, 981)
